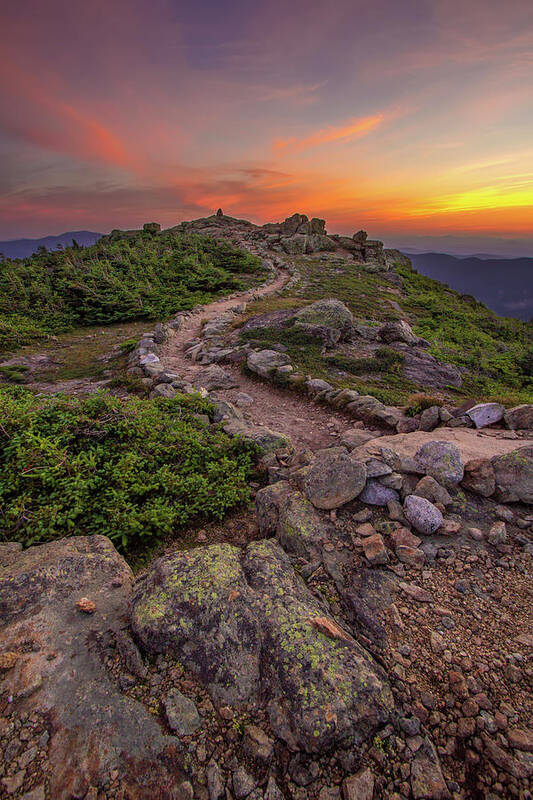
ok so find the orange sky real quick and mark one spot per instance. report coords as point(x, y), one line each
point(410, 119)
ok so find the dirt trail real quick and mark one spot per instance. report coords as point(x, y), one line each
point(308, 425)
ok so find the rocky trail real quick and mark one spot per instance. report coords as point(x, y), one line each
point(371, 638)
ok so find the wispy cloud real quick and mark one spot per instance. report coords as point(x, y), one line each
point(353, 129)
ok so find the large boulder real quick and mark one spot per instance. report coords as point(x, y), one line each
point(214, 377)
point(264, 438)
point(485, 414)
point(63, 613)
point(266, 362)
point(442, 460)
point(423, 515)
point(520, 417)
point(330, 319)
point(334, 479)
point(248, 627)
point(514, 475)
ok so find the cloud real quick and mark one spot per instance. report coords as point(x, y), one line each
point(353, 129)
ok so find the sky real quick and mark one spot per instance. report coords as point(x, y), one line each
point(410, 119)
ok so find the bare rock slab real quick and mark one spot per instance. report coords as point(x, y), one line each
point(96, 729)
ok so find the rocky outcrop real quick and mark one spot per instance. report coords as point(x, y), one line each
point(248, 627)
point(60, 646)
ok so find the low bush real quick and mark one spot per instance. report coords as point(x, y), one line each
point(385, 359)
point(134, 470)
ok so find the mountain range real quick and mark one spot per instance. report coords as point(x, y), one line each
point(505, 285)
point(23, 248)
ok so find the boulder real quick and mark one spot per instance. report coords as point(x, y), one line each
point(214, 377)
point(430, 418)
point(479, 477)
point(520, 417)
point(266, 440)
point(423, 515)
point(429, 488)
point(288, 515)
point(329, 314)
point(355, 437)
point(95, 729)
point(316, 385)
point(399, 331)
point(485, 414)
point(514, 475)
point(375, 494)
point(266, 362)
point(442, 460)
point(246, 625)
point(334, 479)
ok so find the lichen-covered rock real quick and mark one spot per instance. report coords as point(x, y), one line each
point(442, 460)
point(423, 515)
point(265, 362)
point(485, 414)
point(520, 417)
point(514, 475)
point(427, 780)
point(248, 627)
point(334, 479)
point(330, 314)
point(479, 477)
point(96, 729)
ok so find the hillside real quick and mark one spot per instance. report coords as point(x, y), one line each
point(280, 547)
point(124, 276)
point(24, 248)
point(502, 284)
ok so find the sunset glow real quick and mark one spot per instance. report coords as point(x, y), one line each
point(409, 119)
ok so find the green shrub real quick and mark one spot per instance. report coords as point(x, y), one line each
point(120, 278)
point(418, 402)
point(134, 470)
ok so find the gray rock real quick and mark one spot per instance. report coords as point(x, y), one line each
point(248, 628)
point(244, 400)
point(266, 362)
point(485, 414)
point(514, 475)
point(430, 418)
point(422, 514)
point(330, 315)
point(243, 783)
point(441, 460)
point(316, 385)
point(334, 479)
point(399, 331)
point(520, 417)
point(215, 781)
point(288, 515)
point(497, 533)
point(214, 377)
point(163, 390)
point(182, 715)
point(425, 370)
point(272, 792)
point(266, 440)
point(427, 780)
point(355, 437)
point(375, 494)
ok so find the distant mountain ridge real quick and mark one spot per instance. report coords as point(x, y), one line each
point(505, 285)
point(23, 248)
